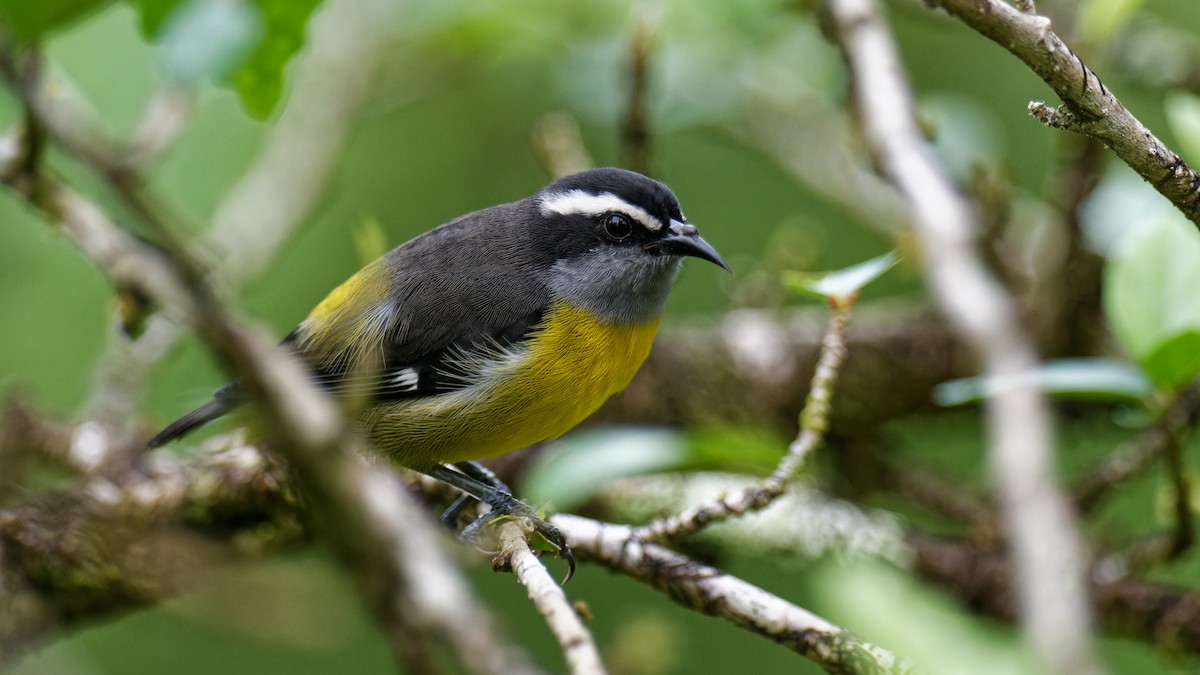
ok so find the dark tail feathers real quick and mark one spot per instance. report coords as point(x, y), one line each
point(200, 416)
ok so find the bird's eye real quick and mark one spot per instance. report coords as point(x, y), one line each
point(617, 226)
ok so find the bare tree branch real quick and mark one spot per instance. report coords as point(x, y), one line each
point(109, 543)
point(711, 591)
point(1055, 612)
point(577, 644)
point(1089, 107)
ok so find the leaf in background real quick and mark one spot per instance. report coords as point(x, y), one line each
point(1177, 357)
point(740, 448)
point(31, 19)
point(1076, 379)
point(1121, 203)
point(1152, 299)
point(1183, 115)
point(913, 619)
point(154, 14)
point(583, 462)
point(205, 38)
point(842, 286)
point(1099, 19)
point(260, 79)
point(254, 68)
point(967, 133)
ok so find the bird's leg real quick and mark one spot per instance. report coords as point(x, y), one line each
point(450, 516)
point(480, 473)
point(482, 484)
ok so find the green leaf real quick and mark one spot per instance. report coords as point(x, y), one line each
point(1183, 115)
point(154, 14)
point(583, 462)
point(1075, 379)
point(1152, 300)
point(1177, 357)
point(32, 19)
point(915, 620)
point(203, 39)
point(727, 447)
point(842, 286)
point(260, 80)
point(257, 73)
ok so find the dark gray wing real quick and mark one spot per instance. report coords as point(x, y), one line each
point(474, 285)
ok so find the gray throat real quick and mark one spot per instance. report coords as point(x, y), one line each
point(623, 286)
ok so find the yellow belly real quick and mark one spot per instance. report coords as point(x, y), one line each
point(565, 372)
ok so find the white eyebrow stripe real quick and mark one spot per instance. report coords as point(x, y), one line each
point(582, 203)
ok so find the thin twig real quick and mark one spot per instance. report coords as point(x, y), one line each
point(635, 130)
point(1055, 611)
point(1132, 458)
point(576, 642)
point(814, 423)
point(1184, 533)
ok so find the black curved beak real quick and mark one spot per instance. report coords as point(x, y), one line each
point(684, 239)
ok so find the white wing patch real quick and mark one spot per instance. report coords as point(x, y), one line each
point(583, 203)
point(404, 380)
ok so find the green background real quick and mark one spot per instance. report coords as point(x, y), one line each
point(448, 131)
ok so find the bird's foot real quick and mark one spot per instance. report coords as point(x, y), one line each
point(480, 483)
point(505, 507)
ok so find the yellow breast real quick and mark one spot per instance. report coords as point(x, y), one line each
point(565, 371)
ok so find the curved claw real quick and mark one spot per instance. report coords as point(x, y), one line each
point(565, 554)
point(552, 535)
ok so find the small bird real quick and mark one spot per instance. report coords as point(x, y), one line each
point(502, 328)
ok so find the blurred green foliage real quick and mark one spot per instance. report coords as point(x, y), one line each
point(34, 20)
point(1151, 300)
point(447, 131)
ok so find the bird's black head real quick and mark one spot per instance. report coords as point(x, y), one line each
point(618, 240)
point(623, 208)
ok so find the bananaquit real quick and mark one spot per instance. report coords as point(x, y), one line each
point(497, 330)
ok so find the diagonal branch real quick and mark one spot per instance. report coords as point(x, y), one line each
point(1089, 108)
point(1054, 609)
point(577, 644)
point(348, 41)
point(713, 592)
point(405, 572)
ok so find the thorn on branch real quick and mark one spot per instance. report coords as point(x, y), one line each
point(1054, 117)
